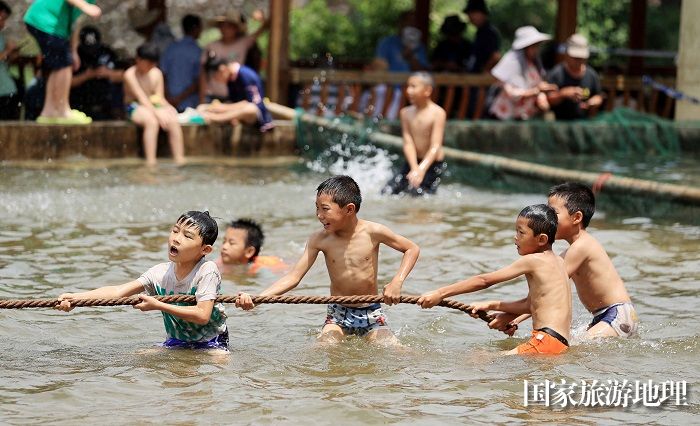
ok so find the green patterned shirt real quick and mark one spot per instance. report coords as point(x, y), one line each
point(204, 282)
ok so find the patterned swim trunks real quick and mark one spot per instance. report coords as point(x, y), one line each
point(358, 321)
point(621, 316)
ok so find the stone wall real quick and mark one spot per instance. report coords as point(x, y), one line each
point(24, 140)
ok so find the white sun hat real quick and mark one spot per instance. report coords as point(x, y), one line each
point(527, 36)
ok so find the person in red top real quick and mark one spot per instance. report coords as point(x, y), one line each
point(242, 243)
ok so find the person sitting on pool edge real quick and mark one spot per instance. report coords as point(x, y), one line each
point(242, 243)
point(549, 292)
point(202, 326)
point(423, 130)
point(245, 92)
point(144, 94)
point(351, 249)
point(598, 284)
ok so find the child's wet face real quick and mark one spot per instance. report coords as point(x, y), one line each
point(233, 248)
point(416, 89)
point(564, 219)
point(328, 212)
point(185, 243)
point(525, 238)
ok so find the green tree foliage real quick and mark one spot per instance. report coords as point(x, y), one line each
point(350, 29)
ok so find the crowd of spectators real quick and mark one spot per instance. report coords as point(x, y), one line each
point(524, 89)
point(96, 86)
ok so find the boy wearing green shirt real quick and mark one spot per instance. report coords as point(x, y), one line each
point(51, 23)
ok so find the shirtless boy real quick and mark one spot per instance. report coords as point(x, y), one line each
point(243, 241)
point(422, 128)
point(144, 94)
point(549, 295)
point(598, 284)
point(351, 248)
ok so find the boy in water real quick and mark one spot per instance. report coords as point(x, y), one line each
point(423, 128)
point(351, 248)
point(144, 93)
point(599, 286)
point(242, 243)
point(202, 326)
point(549, 295)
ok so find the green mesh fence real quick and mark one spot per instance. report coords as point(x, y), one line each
point(659, 155)
point(620, 133)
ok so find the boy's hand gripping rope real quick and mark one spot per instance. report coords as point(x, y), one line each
point(190, 299)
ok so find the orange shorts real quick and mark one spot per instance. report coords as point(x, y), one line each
point(542, 343)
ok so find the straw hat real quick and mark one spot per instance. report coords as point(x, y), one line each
point(527, 36)
point(577, 47)
point(232, 15)
point(140, 17)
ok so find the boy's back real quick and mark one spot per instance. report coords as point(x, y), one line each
point(549, 293)
point(597, 282)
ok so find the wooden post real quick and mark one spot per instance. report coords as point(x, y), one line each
point(422, 14)
point(278, 52)
point(688, 79)
point(638, 20)
point(566, 19)
point(566, 22)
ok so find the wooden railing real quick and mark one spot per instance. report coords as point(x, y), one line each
point(463, 96)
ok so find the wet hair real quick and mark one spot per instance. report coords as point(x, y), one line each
point(542, 219)
point(190, 23)
point(204, 223)
point(148, 51)
point(254, 234)
point(343, 190)
point(577, 197)
point(425, 77)
point(5, 8)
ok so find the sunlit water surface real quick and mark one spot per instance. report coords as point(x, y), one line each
point(80, 228)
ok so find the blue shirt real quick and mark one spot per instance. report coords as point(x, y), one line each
point(390, 48)
point(180, 65)
point(248, 87)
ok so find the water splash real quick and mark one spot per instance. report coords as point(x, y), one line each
point(370, 166)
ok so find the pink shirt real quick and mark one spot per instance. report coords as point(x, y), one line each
point(508, 72)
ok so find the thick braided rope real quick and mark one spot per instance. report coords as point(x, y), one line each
point(190, 299)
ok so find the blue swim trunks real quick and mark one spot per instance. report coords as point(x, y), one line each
point(218, 342)
point(358, 321)
point(621, 317)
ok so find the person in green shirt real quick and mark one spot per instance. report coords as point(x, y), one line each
point(51, 23)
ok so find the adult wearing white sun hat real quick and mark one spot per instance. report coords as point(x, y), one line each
point(520, 75)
